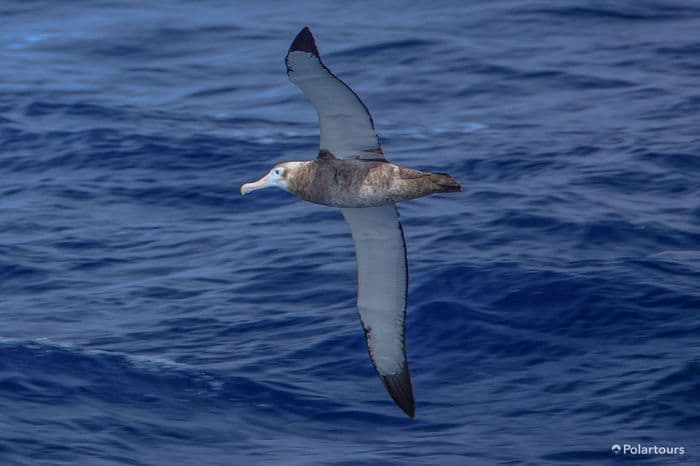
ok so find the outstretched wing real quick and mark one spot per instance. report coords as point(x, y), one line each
point(347, 129)
point(382, 276)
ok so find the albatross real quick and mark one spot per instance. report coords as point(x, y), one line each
point(352, 173)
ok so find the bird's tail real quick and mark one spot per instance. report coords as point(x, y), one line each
point(444, 183)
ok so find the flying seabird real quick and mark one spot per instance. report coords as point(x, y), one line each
point(352, 173)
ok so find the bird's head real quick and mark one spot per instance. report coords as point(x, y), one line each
point(281, 176)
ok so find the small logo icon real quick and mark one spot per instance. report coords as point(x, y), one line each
point(616, 448)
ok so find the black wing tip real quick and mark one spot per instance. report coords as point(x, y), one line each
point(304, 42)
point(400, 388)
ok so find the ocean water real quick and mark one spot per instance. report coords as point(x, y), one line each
point(150, 315)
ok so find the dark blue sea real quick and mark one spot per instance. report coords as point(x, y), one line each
point(151, 315)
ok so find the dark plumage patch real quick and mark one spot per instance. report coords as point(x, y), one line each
point(400, 389)
point(325, 154)
point(444, 183)
point(304, 42)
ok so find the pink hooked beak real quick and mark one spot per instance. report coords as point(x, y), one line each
point(263, 182)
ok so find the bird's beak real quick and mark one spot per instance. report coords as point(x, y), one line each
point(263, 182)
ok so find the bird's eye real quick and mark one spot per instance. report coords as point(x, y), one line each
point(278, 171)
